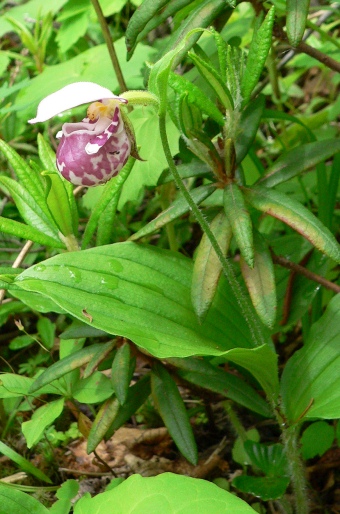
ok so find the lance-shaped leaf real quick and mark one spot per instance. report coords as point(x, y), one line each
point(249, 123)
point(170, 405)
point(299, 160)
point(240, 221)
point(189, 116)
point(17, 229)
point(15, 501)
point(102, 422)
point(203, 374)
point(260, 282)
point(213, 78)
point(176, 209)
point(207, 267)
point(136, 396)
point(196, 97)
point(41, 419)
point(295, 215)
point(25, 465)
point(310, 384)
point(120, 372)
point(297, 12)
point(29, 208)
point(258, 52)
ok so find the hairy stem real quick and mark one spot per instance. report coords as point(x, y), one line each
point(290, 436)
point(253, 323)
point(110, 46)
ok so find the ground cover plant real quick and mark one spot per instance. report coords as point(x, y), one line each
point(169, 270)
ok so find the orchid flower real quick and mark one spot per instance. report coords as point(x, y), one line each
point(95, 149)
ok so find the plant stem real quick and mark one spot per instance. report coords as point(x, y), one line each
point(235, 422)
point(290, 436)
point(110, 45)
point(253, 323)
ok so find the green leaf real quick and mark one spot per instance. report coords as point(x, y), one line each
point(26, 232)
point(196, 97)
point(310, 384)
point(41, 419)
point(271, 459)
point(240, 221)
point(176, 209)
point(102, 353)
point(24, 465)
point(167, 493)
point(29, 208)
point(140, 292)
point(260, 281)
point(297, 13)
point(136, 396)
point(249, 124)
point(13, 501)
point(102, 422)
point(138, 21)
point(120, 372)
point(261, 362)
point(93, 389)
point(170, 405)
point(72, 28)
point(316, 439)
point(207, 268)
point(46, 330)
point(266, 488)
point(213, 78)
point(298, 160)
point(258, 52)
point(203, 374)
point(65, 365)
point(295, 215)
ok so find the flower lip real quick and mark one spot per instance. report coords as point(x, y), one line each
point(71, 96)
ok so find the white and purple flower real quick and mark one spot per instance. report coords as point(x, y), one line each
point(94, 150)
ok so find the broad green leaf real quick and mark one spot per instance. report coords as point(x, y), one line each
point(170, 405)
point(176, 209)
point(102, 353)
point(258, 52)
point(24, 465)
point(29, 208)
point(213, 78)
point(136, 396)
point(207, 268)
point(299, 160)
point(71, 29)
point(94, 389)
point(240, 221)
point(167, 493)
point(120, 372)
point(13, 501)
point(297, 13)
point(271, 459)
point(203, 374)
point(102, 422)
point(266, 488)
point(46, 330)
point(310, 384)
point(297, 216)
point(9, 226)
point(65, 365)
point(20, 342)
point(41, 419)
point(260, 281)
point(249, 123)
point(317, 439)
point(140, 292)
point(261, 362)
point(196, 97)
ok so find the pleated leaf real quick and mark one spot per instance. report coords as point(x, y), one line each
point(310, 384)
point(295, 215)
point(170, 405)
point(260, 281)
point(207, 267)
point(140, 292)
point(240, 221)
